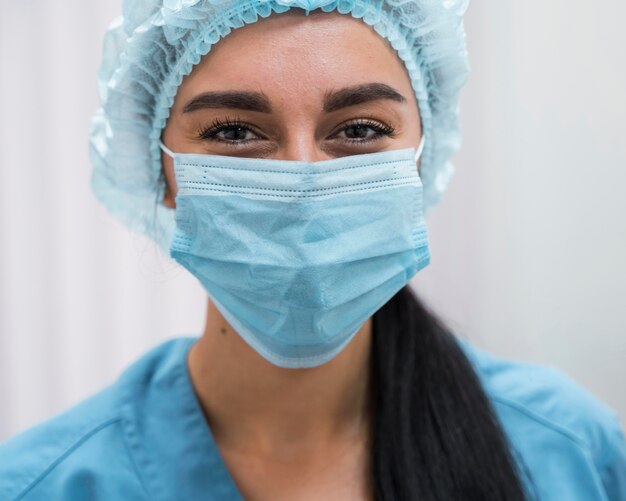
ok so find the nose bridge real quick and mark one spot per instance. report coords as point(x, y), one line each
point(301, 145)
point(299, 140)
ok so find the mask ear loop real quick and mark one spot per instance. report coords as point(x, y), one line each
point(167, 150)
point(420, 149)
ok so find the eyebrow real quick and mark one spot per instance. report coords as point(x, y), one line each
point(360, 94)
point(257, 101)
point(241, 100)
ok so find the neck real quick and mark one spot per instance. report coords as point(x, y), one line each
point(250, 403)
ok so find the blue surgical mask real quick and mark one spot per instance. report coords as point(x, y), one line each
point(298, 255)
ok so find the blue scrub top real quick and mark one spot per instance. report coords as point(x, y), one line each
point(145, 437)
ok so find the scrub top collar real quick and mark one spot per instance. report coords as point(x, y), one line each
point(169, 438)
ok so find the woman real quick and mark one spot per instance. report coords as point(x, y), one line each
point(284, 153)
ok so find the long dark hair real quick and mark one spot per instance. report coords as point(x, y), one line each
point(436, 436)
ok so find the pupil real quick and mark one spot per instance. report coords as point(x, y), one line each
point(235, 133)
point(356, 131)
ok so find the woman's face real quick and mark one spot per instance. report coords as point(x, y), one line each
point(294, 87)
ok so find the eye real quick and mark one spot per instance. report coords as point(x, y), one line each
point(228, 131)
point(361, 131)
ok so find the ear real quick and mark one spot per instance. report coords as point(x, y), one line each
point(168, 198)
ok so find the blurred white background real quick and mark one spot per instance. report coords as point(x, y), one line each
point(529, 244)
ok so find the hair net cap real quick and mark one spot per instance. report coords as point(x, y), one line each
point(156, 43)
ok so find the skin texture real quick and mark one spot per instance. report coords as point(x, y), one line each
point(289, 434)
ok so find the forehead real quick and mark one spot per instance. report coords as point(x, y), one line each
point(292, 54)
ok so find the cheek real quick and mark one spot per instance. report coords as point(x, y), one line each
point(415, 125)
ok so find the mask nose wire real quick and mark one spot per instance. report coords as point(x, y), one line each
point(167, 150)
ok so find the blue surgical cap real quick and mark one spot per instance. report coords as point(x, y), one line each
point(155, 43)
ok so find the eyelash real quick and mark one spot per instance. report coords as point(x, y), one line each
point(217, 126)
point(210, 132)
point(381, 129)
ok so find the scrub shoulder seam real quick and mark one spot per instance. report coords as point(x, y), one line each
point(82, 438)
point(572, 436)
